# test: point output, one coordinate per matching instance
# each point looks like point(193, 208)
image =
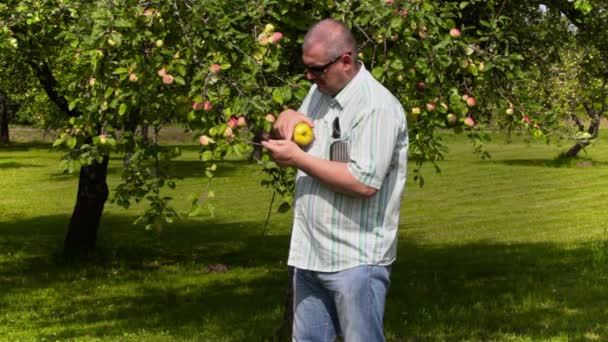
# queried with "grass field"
point(510, 249)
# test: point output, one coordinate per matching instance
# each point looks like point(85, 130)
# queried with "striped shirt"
point(333, 231)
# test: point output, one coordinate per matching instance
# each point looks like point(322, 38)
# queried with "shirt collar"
point(348, 91)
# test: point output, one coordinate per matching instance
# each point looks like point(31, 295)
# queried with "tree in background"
point(112, 66)
point(226, 70)
point(565, 50)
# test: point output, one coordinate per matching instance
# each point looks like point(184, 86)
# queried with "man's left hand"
point(284, 152)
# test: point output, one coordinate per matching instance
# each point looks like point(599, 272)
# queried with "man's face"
point(328, 72)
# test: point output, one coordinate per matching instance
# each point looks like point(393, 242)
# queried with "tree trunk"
point(4, 119)
point(92, 194)
point(594, 129)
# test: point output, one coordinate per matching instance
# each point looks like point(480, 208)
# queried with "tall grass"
point(510, 249)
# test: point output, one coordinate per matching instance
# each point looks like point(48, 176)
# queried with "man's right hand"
point(287, 121)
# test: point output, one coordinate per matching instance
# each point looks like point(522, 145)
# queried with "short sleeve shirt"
point(334, 231)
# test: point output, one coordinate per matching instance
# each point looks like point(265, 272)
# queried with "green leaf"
point(58, 142)
point(117, 37)
point(397, 22)
point(277, 96)
point(397, 64)
point(179, 80)
point(206, 156)
point(122, 109)
point(378, 71)
point(108, 92)
point(72, 142)
point(73, 104)
point(121, 70)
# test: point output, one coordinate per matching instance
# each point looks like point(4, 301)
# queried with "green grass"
point(510, 249)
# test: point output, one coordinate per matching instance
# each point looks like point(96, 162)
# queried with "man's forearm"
point(333, 174)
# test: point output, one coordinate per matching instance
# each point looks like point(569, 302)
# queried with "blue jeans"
point(347, 303)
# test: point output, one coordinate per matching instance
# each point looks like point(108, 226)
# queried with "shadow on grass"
point(557, 162)
point(147, 281)
point(143, 281)
point(183, 169)
point(26, 146)
point(14, 165)
point(493, 292)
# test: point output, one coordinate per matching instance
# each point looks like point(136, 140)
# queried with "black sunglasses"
point(336, 129)
point(321, 69)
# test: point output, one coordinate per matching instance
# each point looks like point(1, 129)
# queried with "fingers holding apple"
point(287, 122)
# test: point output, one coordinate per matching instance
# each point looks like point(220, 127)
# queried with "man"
point(346, 211)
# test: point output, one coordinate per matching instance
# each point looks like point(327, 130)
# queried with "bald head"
point(334, 36)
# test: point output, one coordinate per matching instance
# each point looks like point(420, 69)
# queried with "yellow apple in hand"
point(302, 134)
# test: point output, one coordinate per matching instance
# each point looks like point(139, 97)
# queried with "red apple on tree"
point(471, 102)
point(469, 121)
point(215, 68)
point(263, 38)
point(228, 134)
point(167, 79)
point(205, 140)
point(455, 33)
point(276, 37)
point(232, 122)
point(452, 118)
point(270, 118)
point(197, 105)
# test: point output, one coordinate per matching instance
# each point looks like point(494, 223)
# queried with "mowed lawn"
point(509, 249)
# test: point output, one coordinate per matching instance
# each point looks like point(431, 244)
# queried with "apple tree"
point(564, 48)
point(115, 67)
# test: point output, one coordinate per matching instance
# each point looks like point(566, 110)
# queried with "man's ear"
point(348, 62)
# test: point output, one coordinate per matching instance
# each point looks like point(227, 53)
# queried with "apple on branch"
point(471, 102)
point(455, 33)
point(233, 122)
point(215, 68)
point(168, 79)
point(270, 118)
point(452, 118)
point(469, 121)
